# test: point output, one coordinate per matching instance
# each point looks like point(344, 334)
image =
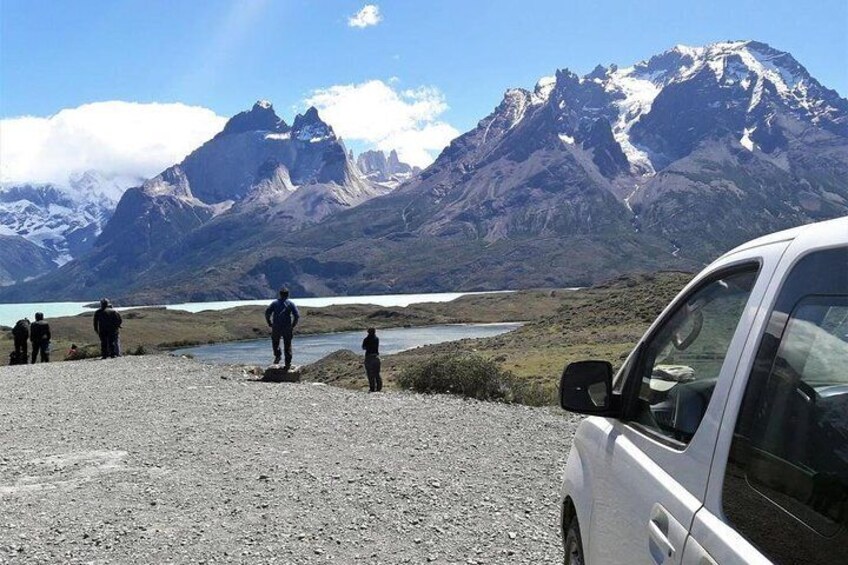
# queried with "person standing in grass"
point(371, 345)
point(282, 317)
point(39, 336)
point(107, 324)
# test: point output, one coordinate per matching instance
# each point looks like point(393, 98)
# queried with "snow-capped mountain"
point(737, 85)
point(256, 179)
point(664, 164)
point(62, 220)
point(387, 170)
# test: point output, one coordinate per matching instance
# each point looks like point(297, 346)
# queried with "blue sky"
point(224, 55)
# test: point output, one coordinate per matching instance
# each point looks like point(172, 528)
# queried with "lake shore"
point(152, 329)
point(562, 326)
point(309, 348)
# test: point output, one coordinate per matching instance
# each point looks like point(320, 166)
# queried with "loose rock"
point(159, 459)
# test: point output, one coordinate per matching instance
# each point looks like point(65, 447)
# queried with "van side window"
point(786, 481)
point(681, 362)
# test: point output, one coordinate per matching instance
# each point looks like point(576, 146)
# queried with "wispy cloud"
point(118, 139)
point(384, 117)
point(369, 15)
point(221, 50)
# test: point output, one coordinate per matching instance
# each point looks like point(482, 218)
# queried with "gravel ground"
point(158, 460)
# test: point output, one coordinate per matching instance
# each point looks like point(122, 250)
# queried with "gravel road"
point(162, 460)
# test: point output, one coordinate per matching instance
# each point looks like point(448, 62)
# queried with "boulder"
point(279, 374)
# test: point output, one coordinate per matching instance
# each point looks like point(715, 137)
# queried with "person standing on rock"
point(39, 336)
point(282, 317)
point(21, 335)
point(371, 345)
point(107, 324)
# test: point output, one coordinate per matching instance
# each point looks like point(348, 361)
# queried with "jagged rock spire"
point(259, 118)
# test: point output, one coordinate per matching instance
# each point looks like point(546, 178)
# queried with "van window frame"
point(631, 385)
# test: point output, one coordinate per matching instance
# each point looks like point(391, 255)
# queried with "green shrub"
point(532, 393)
point(473, 376)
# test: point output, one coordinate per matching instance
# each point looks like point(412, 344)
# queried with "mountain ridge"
point(664, 164)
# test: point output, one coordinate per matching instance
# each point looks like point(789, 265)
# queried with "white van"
point(724, 437)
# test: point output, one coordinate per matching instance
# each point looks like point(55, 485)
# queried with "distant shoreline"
point(159, 329)
point(11, 312)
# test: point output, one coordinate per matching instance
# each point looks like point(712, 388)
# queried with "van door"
point(651, 470)
point(778, 489)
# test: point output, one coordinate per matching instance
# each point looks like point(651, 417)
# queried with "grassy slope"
point(603, 322)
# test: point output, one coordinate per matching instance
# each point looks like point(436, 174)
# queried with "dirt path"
point(156, 460)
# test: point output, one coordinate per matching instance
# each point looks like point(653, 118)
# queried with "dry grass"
point(602, 322)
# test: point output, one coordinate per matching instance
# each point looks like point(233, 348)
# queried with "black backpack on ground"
point(15, 359)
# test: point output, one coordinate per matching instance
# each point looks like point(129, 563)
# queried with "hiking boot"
point(276, 361)
point(286, 367)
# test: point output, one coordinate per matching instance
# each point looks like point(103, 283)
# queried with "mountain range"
point(51, 224)
point(664, 164)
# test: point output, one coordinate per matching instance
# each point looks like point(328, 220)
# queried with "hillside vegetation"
point(602, 322)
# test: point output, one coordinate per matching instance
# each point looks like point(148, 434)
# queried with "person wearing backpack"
point(39, 335)
point(107, 324)
point(21, 335)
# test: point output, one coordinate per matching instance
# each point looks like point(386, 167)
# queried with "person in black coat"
point(107, 324)
point(371, 345)
point(21, 335)
point(39, 336)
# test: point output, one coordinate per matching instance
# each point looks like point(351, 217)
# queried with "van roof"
point(836, 229)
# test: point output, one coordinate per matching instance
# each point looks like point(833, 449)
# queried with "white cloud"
point(118, 139)
point(383, 117)
point(369, 15)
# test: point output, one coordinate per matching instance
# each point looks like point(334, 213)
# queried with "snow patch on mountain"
point(638, 90)
point(543, 90)
point(746, 140)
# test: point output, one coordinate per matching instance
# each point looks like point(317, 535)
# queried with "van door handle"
point(659, 544)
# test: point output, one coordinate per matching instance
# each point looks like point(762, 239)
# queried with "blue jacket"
point(282, 314)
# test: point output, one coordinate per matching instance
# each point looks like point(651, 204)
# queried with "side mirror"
point(586, 388)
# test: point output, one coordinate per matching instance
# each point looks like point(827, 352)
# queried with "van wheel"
point(573, 544)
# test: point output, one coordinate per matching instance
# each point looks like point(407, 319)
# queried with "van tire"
point(573, 544)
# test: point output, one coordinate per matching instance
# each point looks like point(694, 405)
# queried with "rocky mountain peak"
point(261, 117)
point(310, 127)
point(387, 170)
point(599, 73)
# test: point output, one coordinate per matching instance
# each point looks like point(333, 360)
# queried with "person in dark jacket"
point(39, 335)
point(21, 335)
point(282, 316)
point(371, 345)
point(107, 324)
